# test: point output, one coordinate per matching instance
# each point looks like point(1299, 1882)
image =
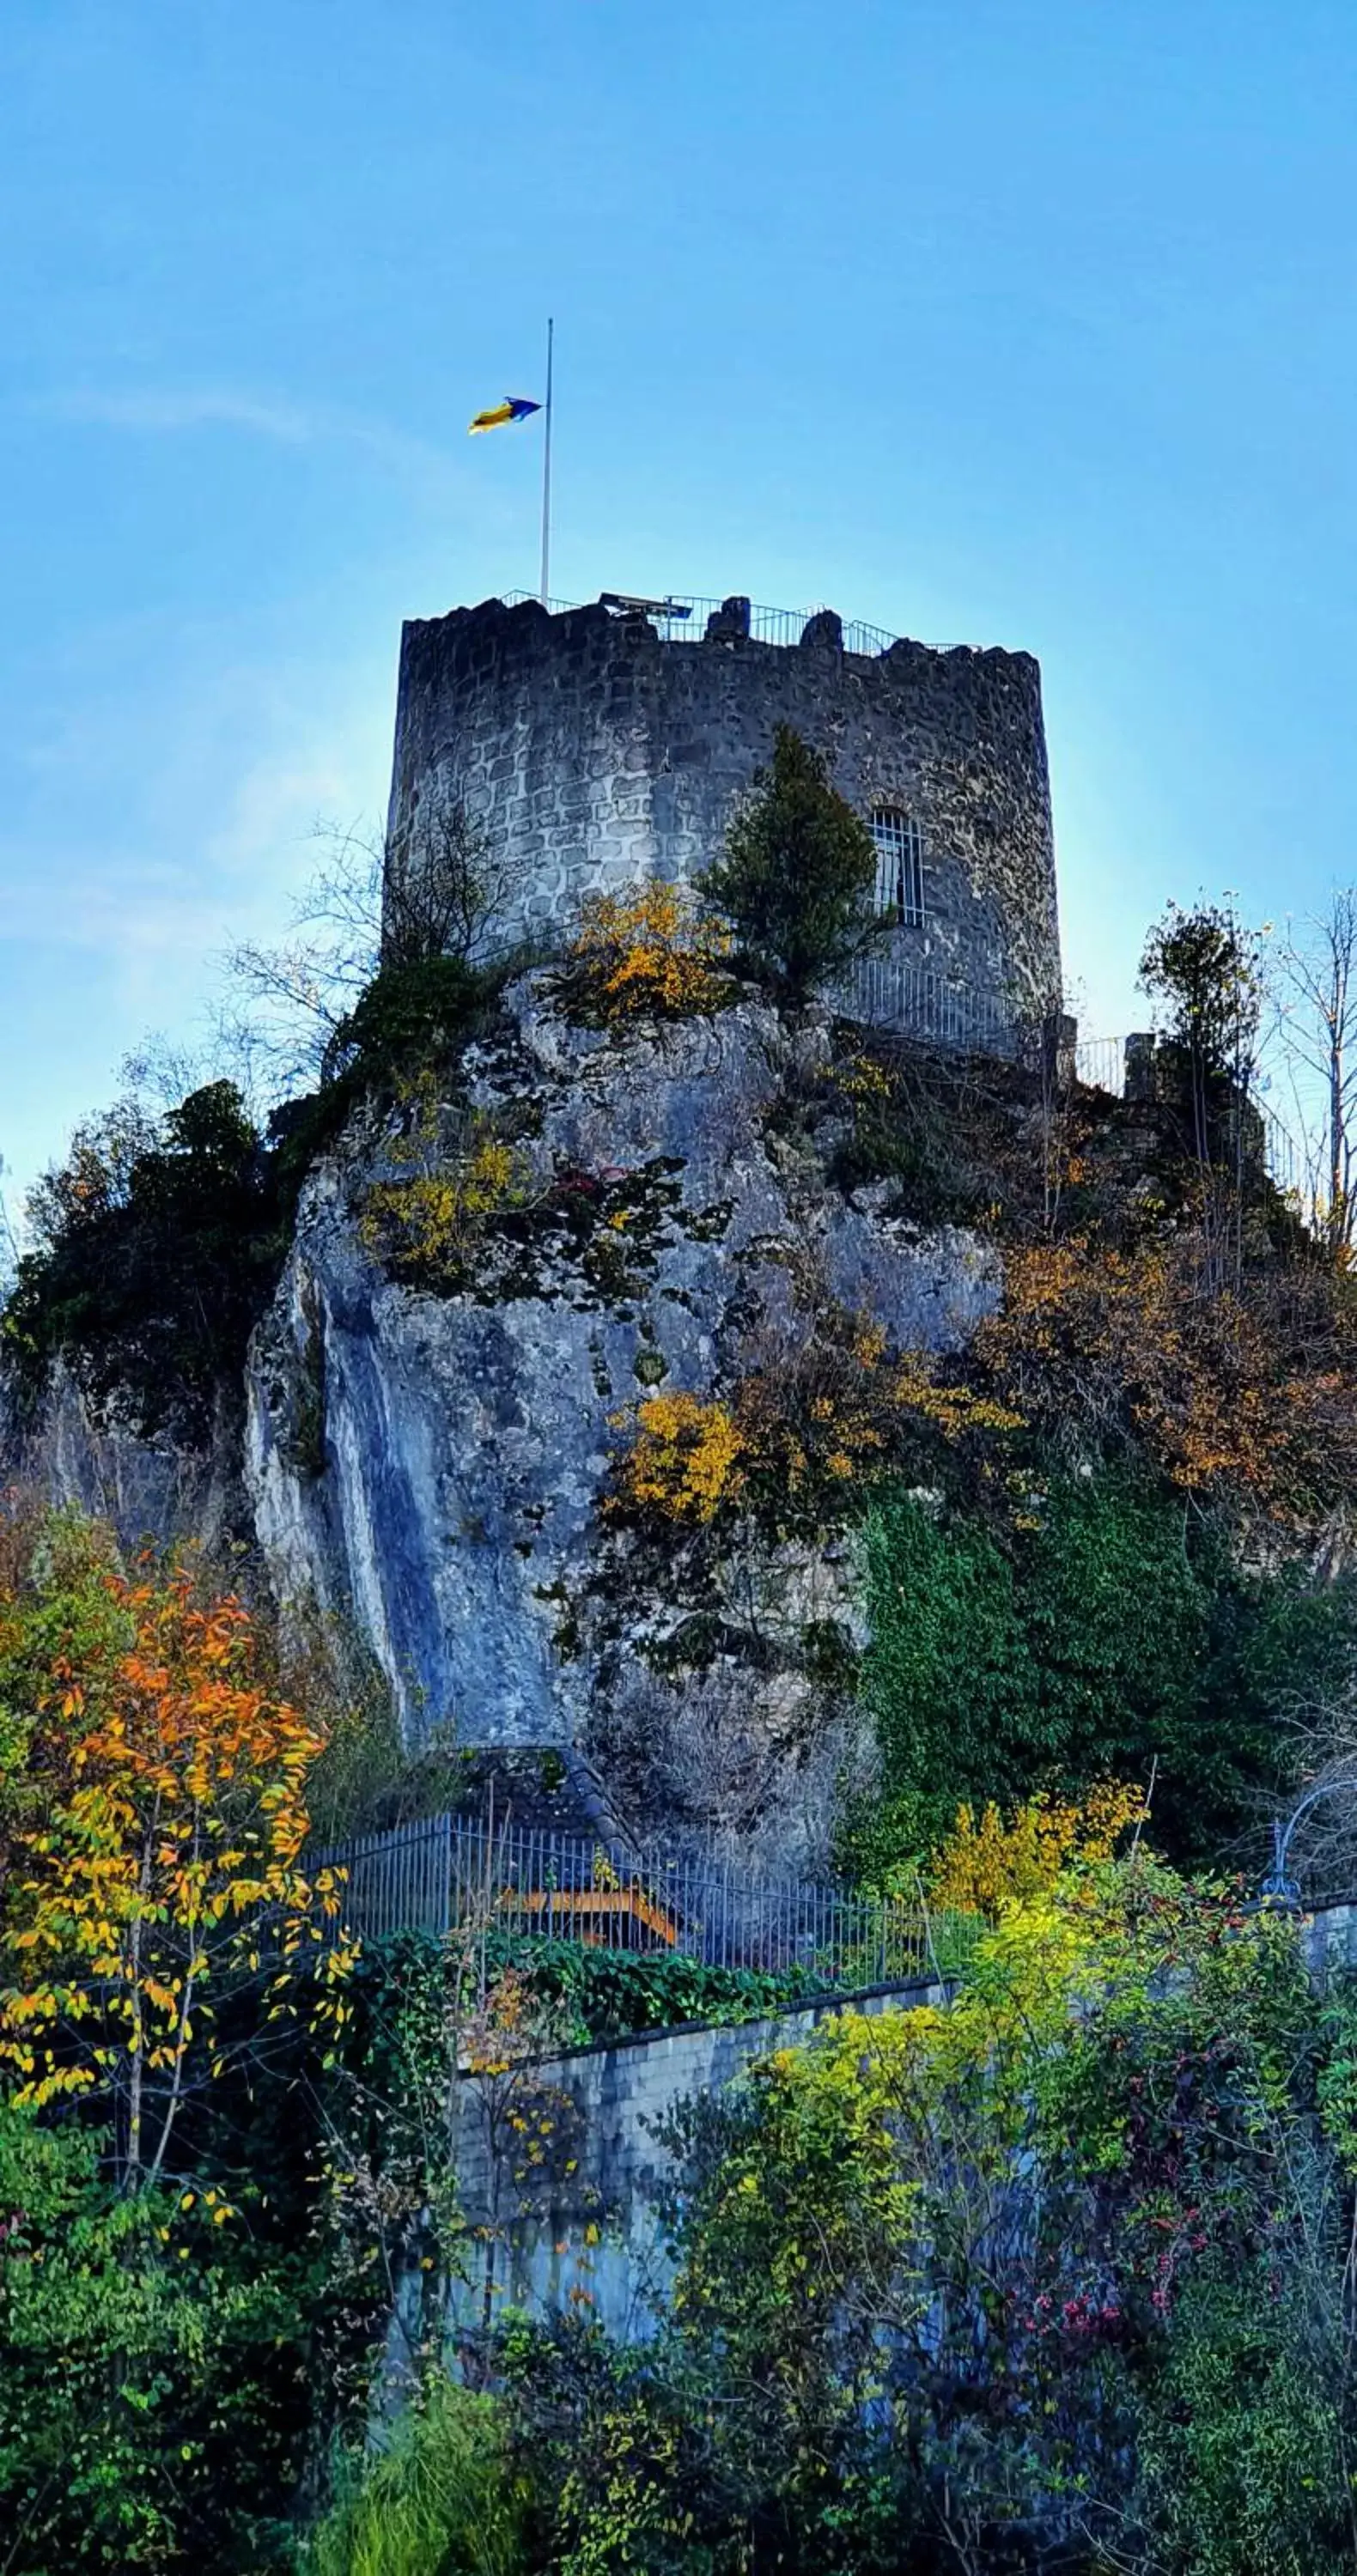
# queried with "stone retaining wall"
point(555, 2237)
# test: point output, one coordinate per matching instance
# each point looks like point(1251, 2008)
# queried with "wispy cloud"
point(169, 411)
point(155, 412)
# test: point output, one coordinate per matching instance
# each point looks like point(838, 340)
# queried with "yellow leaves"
point(427, 1220)
point(648, 952)
point(862, 1079)
point(988, 1865)
point(684, 1461)
point(181, 1812)
point(954, 1410)
point(836, 1416)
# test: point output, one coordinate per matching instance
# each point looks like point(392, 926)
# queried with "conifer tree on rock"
point(798, 876)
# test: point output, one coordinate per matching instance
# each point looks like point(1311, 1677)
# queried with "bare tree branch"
point(370, 905)
point(1317, 1032)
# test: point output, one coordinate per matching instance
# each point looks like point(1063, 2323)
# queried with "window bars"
point(899, 865)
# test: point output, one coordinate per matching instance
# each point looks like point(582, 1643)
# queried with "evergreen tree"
point(797, 879)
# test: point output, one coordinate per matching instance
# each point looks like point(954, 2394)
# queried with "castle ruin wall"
point(597, 754)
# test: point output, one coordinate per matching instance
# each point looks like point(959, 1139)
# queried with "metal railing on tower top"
point(681, 618)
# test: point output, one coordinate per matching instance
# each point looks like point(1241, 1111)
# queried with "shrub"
point(684, 1460)
point(611, 1993)
point(822, 1412)
point(424, 1224)
point(986, 1864)
point(441, 2498)
point(153, 2396)
point(647, 954)
point(797, 879)
point(410, 1015)
point(1241, 2443)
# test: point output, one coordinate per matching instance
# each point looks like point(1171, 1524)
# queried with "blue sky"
point(984, 321)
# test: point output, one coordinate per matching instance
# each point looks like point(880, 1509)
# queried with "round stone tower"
point(600, 746)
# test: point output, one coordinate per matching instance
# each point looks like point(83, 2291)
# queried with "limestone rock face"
point(103, 1464)
point(433, 1465)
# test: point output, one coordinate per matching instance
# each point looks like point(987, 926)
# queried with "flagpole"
point(546, 477)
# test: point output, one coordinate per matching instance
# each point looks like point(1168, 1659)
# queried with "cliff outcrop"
point(436, 1466)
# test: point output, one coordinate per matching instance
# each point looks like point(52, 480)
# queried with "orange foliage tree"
point(1230, 1395)
point(165, 1870)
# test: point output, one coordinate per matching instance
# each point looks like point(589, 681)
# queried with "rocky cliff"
point(430, 1466)
point(435, 1466)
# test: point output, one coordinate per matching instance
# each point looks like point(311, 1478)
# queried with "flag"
point(513, 407)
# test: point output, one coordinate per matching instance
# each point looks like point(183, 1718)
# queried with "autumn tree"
point(1245, 1400)
point(159, 1868)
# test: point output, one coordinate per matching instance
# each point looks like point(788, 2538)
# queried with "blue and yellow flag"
point(513, 407)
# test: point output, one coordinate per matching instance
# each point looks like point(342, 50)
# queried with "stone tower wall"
point(598, 754)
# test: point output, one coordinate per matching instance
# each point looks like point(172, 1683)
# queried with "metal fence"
point(448, 1871)
point(682, 619)
point(1101, 1063)
point(890, 993)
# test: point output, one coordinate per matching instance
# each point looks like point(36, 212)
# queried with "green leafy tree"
point(1207, 966)
point(156, 1245)
point(797, 879)
point(1114, 1637)
point(144, 2356)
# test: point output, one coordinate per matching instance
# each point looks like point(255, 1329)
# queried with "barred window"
point(899, 864)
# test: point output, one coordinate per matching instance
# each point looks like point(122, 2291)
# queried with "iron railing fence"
point(682, 619)
point(891, 993)
point(1101, 1063)
point(447, 1871)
